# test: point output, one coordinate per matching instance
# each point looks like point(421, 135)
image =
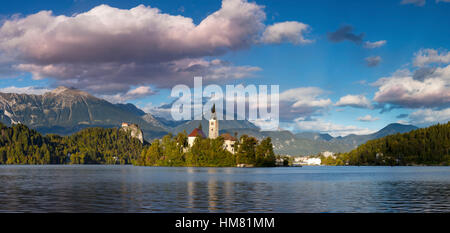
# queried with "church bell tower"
point(213, 124)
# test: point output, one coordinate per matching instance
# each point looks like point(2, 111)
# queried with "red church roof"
point(227, 136)
point(197, 133)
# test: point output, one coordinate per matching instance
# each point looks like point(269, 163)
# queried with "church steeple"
point(213, 124)
point(213, 112)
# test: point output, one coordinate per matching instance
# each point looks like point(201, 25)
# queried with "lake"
point(98, 188)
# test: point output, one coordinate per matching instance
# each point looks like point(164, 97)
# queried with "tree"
point(246, 151)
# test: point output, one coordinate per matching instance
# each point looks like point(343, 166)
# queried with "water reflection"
point(149, 189)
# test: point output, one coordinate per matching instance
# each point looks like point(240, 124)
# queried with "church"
point(213, 133)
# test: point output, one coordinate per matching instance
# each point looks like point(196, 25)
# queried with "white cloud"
point(30, 90)
point(430, 116)
point(137, 93)
point(293, 103)
point(356, 101)
point(368, 118)
point(410, 90)
point(290, 31)
point(142, 33)
point(318, 125)
point(108, 50)
point(429, 56)
point(302, 101)
point(376, 44)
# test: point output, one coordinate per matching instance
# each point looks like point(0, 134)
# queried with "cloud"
point(356, 101)
point(111, 78)
point(415, 2)
point(430, 116)
point(293, 103)
point(302, 102)
point(373, 61)
point(319, 125)
point(430, 56)
point(290, 31)
point(30, 90)
point(368, 118)
point(137, 93)
point(107, 50)
point(376, 44)
point(403, 115)
point(142, 33)
point(345, 33)
point(422, 73)
point(401, 89)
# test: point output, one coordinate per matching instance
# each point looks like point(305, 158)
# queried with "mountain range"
point(66, 110)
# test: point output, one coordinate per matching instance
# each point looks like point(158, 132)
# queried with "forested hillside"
point(21, 145)
point(426, 146)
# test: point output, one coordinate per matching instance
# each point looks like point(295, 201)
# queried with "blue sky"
point(407, 31)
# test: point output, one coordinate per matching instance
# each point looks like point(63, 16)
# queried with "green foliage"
point(265, 157)
point(246, 152)
point(427, 146)
point(101, 146)
point(205, 152)
point(21, 145)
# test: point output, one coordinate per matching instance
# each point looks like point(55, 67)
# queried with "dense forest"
point(21, 145)
point(426, 146)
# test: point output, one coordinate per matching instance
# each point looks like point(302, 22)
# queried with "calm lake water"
point(159, 189)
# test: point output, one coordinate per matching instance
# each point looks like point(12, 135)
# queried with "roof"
point(227, 136)
point(197, 133)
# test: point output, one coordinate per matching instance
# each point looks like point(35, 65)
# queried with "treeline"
point(427, 146)
point(21, 145)
point(205, 152)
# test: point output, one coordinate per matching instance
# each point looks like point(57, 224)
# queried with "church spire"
point(213, 124)
point(213, 112)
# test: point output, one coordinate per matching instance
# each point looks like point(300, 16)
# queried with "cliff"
point(135, 131)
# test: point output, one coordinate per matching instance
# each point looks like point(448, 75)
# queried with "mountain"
point(67, 110)
point(393, 129)
point(223, 125)
point(313, 136)
point(356, 140)
point(168, 123)
point(285, 142)
point(131, 108)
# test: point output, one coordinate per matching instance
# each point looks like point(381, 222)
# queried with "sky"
point(342, 67)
